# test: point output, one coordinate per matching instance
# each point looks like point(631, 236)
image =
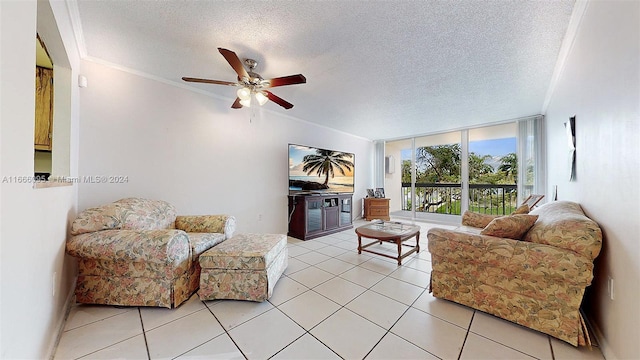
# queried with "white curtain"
point(378, 165)
point(531, 157)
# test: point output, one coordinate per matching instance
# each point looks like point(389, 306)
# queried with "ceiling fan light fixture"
point(244, 94)
point(250, 82)
point(245, 102)
point(261, 97)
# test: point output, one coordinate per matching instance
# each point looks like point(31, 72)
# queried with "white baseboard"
point(601, 340)
point(70, 300)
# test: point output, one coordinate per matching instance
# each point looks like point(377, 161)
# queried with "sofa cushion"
point(161, 246)
point(145, 214)
point(106, 217)
point(474, 219)
point(451, 251)
point(512, 226)
point(224, 224)
point(564, 224)
point(522, 209)
point(128, 214)
point(479, 220)
point(244, 252)
point(201, 242)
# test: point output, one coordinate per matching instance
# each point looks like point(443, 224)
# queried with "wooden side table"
point(376, 208)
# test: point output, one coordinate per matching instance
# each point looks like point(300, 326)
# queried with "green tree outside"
point(441, 164)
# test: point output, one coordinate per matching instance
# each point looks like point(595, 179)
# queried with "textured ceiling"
point(377, 69)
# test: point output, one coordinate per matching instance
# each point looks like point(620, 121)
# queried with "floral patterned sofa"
point(537, 281)
point(137, 252)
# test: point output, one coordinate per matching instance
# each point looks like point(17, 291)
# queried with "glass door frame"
point(464, 183)
point(465, 188)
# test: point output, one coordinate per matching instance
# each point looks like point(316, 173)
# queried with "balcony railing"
point(446, 198)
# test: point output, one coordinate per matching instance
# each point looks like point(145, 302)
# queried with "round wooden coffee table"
point(391, 232)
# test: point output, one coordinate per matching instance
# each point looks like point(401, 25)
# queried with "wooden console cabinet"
point(312, 216)
point(375, 208)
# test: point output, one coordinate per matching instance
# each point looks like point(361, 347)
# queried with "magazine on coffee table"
point(392, 227)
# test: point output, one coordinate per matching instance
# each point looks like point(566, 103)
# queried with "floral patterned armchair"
point(537, 281)
point(137, 252)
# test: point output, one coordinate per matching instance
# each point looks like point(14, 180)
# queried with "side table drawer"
point(378, 211)
point(375, 208)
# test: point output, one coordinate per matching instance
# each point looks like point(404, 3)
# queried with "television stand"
point(315, 215)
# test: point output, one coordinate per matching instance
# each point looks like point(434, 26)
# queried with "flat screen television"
point(315, 170)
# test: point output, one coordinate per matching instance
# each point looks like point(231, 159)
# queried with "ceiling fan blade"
point(287, 80)
point(278, 100)
point(208, 81)
point(235, 62)
point(236, 104)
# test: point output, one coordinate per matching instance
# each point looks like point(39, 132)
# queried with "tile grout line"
point(306, 331)
point(197, 346)
point(394, 324)
point(343, 306)
point(380, 264)
point(115, 343)
point(414, 257)
point(312, 289)
point(95, 321)
point(316, 325)
point(144, 334)
point(387, 331)
point(505, 345)
point(225, 331)
point(466, 335)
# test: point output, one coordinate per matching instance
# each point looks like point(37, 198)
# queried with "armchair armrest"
point(224, 224)
point(526, 259)
point(155, 246)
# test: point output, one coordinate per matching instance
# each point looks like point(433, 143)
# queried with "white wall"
point(600, 85)
point(34, 222)
point(194, 151)
point(393, 181)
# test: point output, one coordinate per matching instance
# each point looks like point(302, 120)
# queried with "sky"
point(493, 147)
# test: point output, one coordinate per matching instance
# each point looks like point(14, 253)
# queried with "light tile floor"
point(331, 303)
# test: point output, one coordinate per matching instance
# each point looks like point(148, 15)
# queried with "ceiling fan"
point(251, 83)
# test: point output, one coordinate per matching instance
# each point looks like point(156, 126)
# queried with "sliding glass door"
point(493, 169)
point(440, 176)
point(437, 189)
point(427, 183)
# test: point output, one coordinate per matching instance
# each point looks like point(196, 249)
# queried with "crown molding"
point(76, 24)
point(565, 49)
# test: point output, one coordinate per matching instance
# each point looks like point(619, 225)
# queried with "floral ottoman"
point(245, 267)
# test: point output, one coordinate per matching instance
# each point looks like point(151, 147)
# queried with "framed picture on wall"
point(570, 128)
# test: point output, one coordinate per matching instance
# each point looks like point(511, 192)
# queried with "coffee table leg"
point(399, 241)
point(359, 244)
point(418, 242)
